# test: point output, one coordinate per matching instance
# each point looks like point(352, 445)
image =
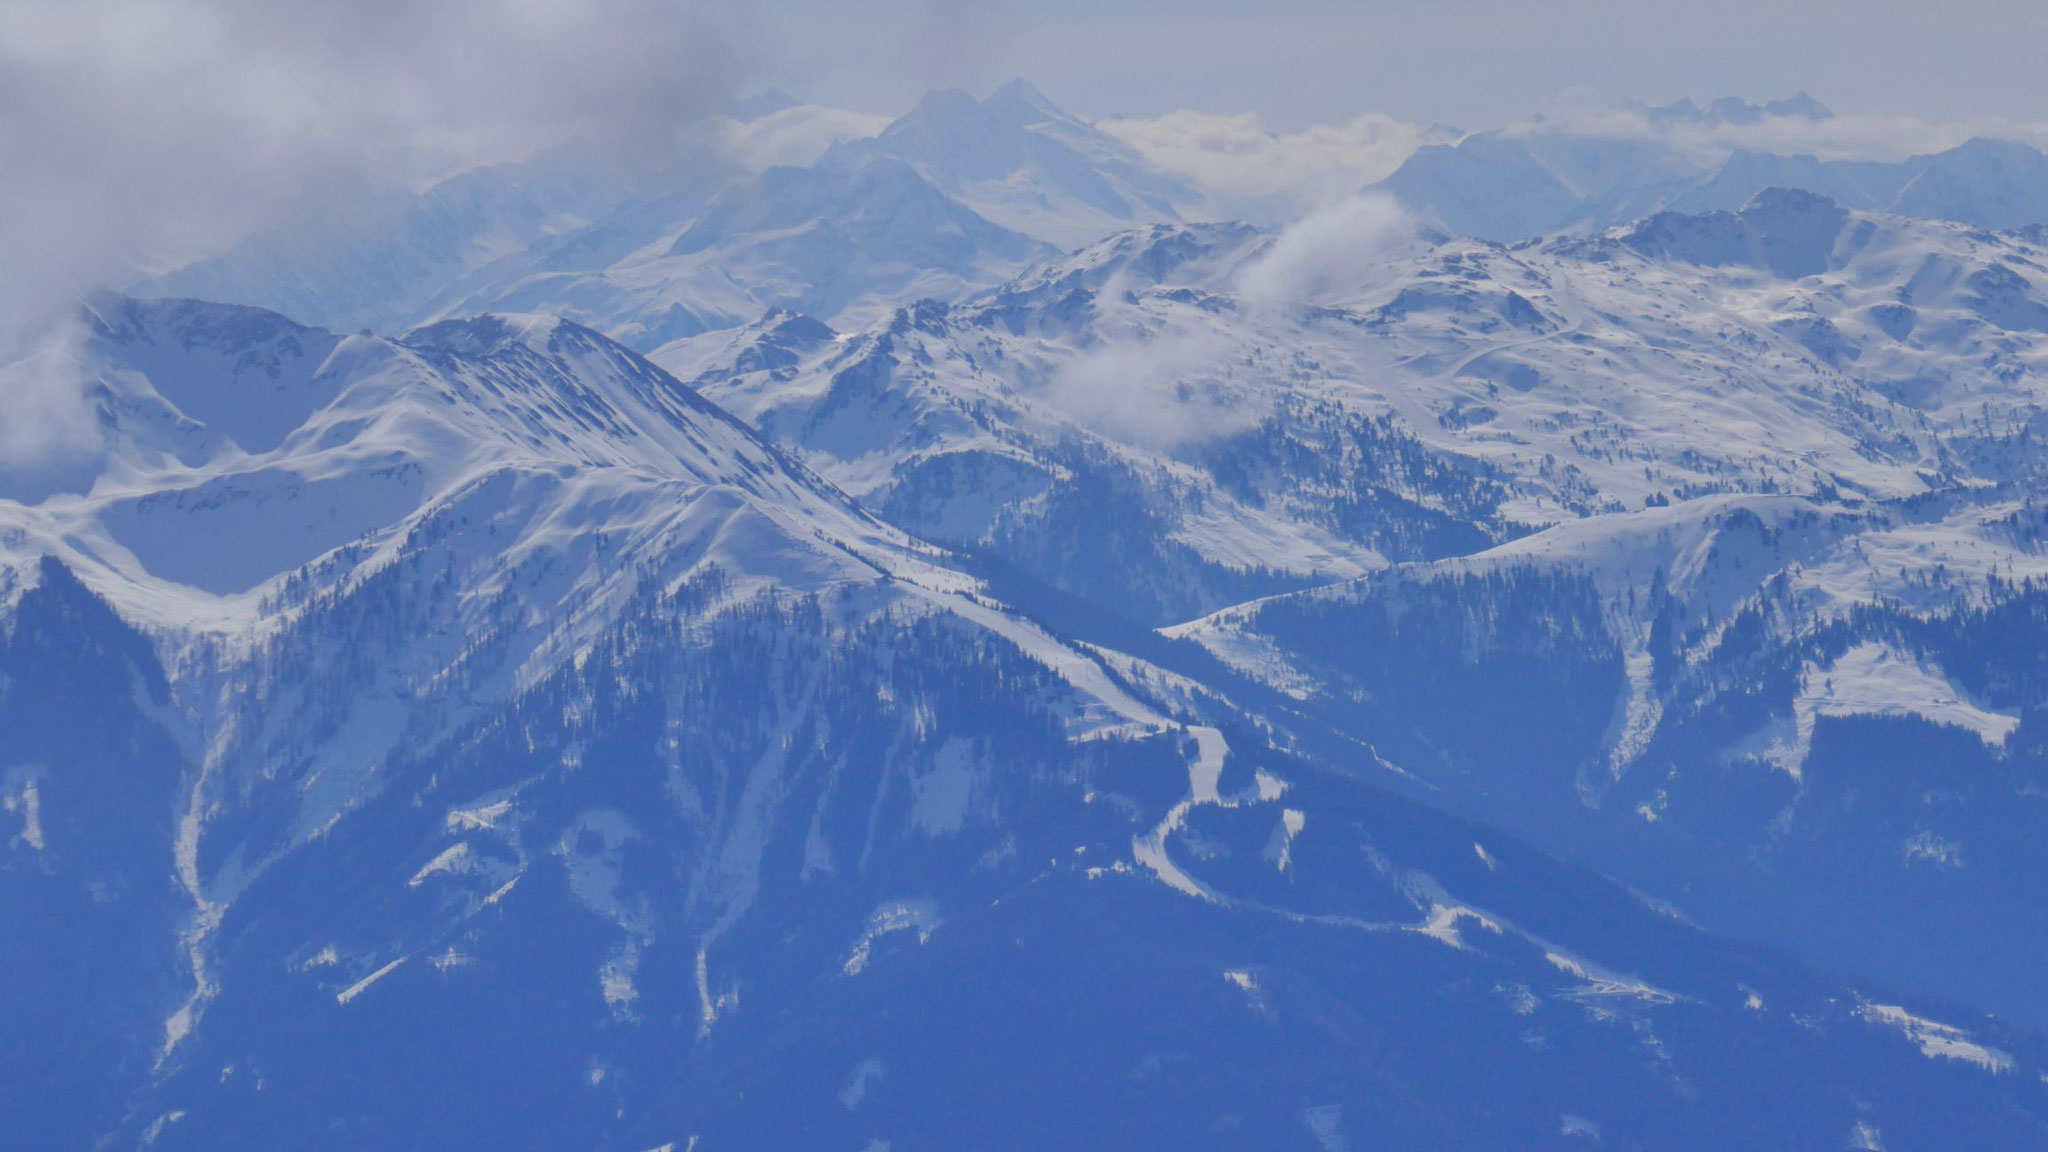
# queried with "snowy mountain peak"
point(1019, 160)
point(950, 117)
point(1786, 231)
point(219, 419)
point(1801, 105)
point(1020, 102)
point(1732, 110)
point(491, 333)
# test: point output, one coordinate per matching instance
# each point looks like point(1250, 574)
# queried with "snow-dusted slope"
point(386, 262)
point(1107, 424)
point(1788, 448)
point(1024, 163)
point(1802, 721)
point(236, 447)
point(851, 234)
point(784, 205)
point(1456, 394)
point(956, 195)
point(510, 745)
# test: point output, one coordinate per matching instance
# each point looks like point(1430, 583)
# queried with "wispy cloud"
point(1329, 253)
point(796, 135)
point(1167, 378)
point(1157, 381)
point(143, 131)
point(1251, 171)
point(49, 437)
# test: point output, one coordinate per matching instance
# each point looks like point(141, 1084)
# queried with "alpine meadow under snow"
point(999, 629)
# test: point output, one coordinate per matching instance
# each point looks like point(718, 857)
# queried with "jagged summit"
point(1019, 160)
point(947, 115)
point(1799, 104)
point(1732, 110)
point(217, 415)
point(1568, 173)
point(1788, 232)
point(1020, 102)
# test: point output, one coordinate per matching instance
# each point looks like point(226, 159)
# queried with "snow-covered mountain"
point(1589, 172)
point(1019, 160)
point(907, 635)
point(479, 736)
point(1529, 410)
point(956, 195)
point(1460, 394)
point(385, 262)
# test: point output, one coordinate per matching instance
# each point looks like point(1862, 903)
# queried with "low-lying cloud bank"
point(150, 132)
point(1251, 171)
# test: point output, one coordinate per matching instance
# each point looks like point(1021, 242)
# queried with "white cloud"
point(1852, 137)
point(49, 438)
point(794, 136)
point(1166, 380)
point(141, 132)
point(1249, 170)
point(1335, 251)
point(1159, 385)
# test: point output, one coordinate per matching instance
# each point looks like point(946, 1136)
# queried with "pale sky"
point(1476, 63)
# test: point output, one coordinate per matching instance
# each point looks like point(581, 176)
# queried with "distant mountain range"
point(1522, 182)
point(956, 195)
point(960, 194)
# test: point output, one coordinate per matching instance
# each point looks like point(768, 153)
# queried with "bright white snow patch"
point(1928, 848)
point(156, 1126)
point(856, 1089)
point(1326, 1123)
point(356, 989)
point(483, 817)
point(1937, 1040)
point(1280, 849)
point(1600, 982)
point(592, 852)
point(1248, 983)
point(1570, 1125)
point(1442, 924)
point(908, 915)
point(450, 860)
point(29, 804)
point(1873, 680)
point(1249, 653)
point(1205, 771)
